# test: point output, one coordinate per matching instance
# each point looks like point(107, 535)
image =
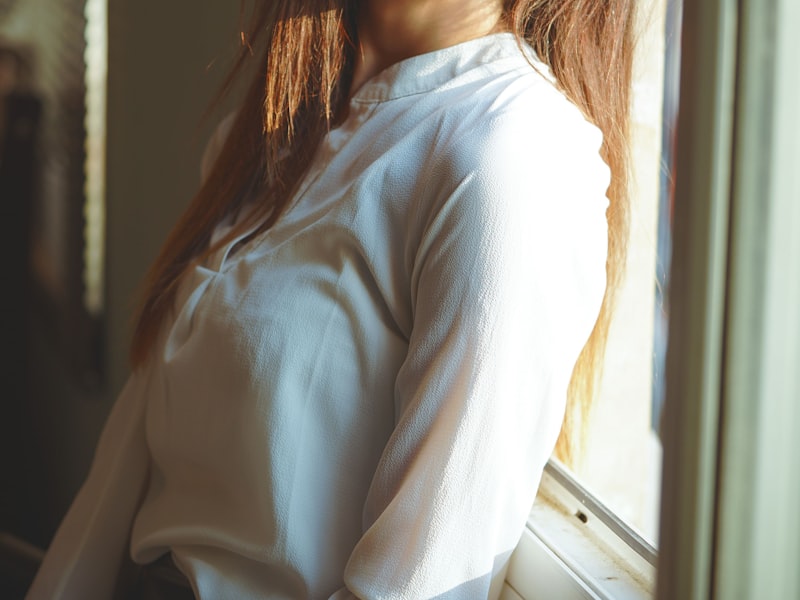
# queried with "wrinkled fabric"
point(359, 402)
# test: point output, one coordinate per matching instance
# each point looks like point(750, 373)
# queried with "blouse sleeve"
point(85, 556)
point(507, 284)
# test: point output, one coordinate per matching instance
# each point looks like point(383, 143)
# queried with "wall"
point(165, 62)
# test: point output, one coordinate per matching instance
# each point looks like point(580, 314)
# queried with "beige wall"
point(159, 84)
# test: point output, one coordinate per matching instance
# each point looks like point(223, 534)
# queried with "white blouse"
point(359, 402)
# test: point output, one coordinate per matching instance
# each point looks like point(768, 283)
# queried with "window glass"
point(621, 464)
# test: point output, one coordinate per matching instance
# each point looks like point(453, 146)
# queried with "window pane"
point(622, 461)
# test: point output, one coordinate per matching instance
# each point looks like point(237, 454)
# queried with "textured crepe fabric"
point(360, 401)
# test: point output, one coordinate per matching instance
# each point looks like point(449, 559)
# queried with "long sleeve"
point(87, 551)
point(507, 284)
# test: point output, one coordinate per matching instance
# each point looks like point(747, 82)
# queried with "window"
point(729, 524)
point(604, 513)
point(622, 461)
point(95, 202)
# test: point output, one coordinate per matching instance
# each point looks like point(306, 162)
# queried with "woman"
point(354, 350)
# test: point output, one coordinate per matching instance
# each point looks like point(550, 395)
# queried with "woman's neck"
point(392, 30)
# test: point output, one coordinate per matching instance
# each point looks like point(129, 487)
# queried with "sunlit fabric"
point(359, 402)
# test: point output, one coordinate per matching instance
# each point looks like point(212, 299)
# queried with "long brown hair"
point(588, 45)
point(300, 89)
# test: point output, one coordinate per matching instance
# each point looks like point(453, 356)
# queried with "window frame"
point(750, 540)
point(575, 548)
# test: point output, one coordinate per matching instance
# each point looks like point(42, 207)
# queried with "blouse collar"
point(432, 70)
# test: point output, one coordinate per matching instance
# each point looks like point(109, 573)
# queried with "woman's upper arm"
point(507, 284)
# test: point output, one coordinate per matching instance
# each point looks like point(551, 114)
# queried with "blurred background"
point(102, 127)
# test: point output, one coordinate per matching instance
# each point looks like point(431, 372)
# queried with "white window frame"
point(575, 548)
